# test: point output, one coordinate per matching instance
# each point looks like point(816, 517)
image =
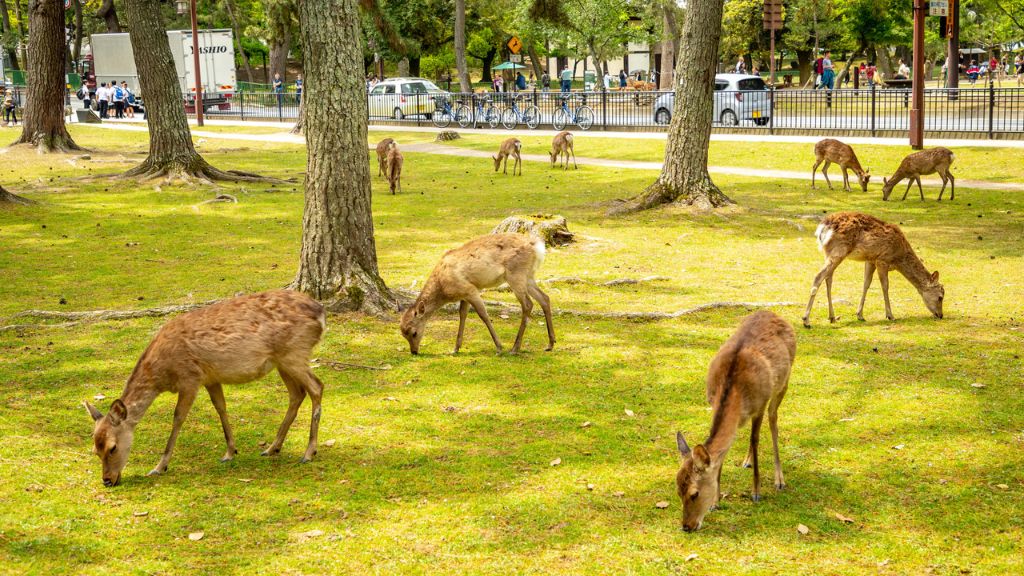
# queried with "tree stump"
point(446, 135)
point(551, 228)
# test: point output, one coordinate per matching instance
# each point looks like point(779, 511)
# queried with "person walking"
point(741, 66)
point(819, 71)
point(279, 88)
point(607, 81)
point(545, 81)
point(298, 89)
point(129, 101)
point(118, 101)
point(103, 97)
point(1018, 63)
point(10, 109)
point(566, 79)
point(622, 78)
point(828, 74)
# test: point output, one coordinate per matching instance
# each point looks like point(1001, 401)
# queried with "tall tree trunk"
point(338, 262)
point(108, 12)
point(487, 60)
point(171, 152)
point(403, 67)
point(846, 66)
point(12, 53)
point(229, 5)
point(414, 65)
point(669, 35)
point(77, 53)
point(279, 54)
point(684, 177)
point(804, 58)
point(44, 109)
point(460, 47)
point(535, 60)
point(21, 32)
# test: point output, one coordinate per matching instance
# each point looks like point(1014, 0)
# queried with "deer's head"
point(112, 439)
point(497, 162)
point(414, 321)
point(554, 156)
point(696, 483)
point(864, 177)
point(933, 293)
point(887, 186)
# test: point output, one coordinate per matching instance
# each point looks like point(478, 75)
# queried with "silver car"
point(738, 97)
point(400, 97)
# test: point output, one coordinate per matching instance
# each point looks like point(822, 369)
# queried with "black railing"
point(983, 110)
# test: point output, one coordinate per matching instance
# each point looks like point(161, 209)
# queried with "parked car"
point(737, 97)
point(400, 97)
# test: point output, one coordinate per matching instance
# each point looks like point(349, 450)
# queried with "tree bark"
point(535, 60)
point(279, 55)
point(338, 262)
point(486, 60)
point(9, 198)
point(171, 152)
point(44, 110)
point(229, 5)
point(403, 67)
point(684, 177)
point(77, 52)
point(108, 12)
point(846, 67)
point(668, 41)
point(301, 122)
point(460, 47)
point(12, 53)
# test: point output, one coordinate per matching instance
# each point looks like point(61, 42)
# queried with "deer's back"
point(926, 161)
point(756, 360)
point(485, 261)
point(237, 340)
point(835, 151)
point(861, 237)
point(382, 146)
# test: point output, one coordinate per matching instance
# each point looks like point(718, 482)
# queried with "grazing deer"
point(382, 152)
point(562, 145)
point(830, 150)
point(923, 163)
point(393, 161)
point(881, 247)
point(511, 147)
point(230, 342)
point(750, 373)
point(484, 262)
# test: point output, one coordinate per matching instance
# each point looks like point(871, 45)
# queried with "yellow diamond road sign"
point(515, 45)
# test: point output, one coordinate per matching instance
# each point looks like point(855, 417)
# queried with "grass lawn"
point(442, 464)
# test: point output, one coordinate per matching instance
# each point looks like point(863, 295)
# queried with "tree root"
point(196, 170)
point(576, 280)
point(75, 318)
point(346, 365)
point(9, 198)
point(704, 195)
point(220, 198)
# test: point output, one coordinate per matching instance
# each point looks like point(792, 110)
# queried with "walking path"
point(440, 149)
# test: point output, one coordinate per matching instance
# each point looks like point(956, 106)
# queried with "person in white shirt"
point(607, 81)
point(103, 97)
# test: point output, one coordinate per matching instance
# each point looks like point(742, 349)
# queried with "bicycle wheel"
point(442, 118)
point(560, 119)
point(531, 116)
point(493, 116)
point(584, 117)
point(509, 119)
point(463, 116)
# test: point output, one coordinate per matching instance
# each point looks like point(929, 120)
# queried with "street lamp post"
point(190, 5)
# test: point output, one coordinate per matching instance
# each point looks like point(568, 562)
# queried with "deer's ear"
point(935, 276)
point(93, 411)
point(885, 180)
point(684, 448)
point(118, 412)
point(701, 458)
point(421, 308)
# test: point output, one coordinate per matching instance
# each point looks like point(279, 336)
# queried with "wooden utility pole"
point(195, 57)
point(952, 32)
point(772, 22)
point(917, 103)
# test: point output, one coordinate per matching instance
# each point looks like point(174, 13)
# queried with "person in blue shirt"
point(520, 81)
point(278, 87)
point(298, 89)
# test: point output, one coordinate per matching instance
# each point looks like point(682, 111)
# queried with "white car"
point(737, 97)
point(400, 97)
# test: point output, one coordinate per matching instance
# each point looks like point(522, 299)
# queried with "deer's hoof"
point(305, 460)
point(890, 317)
point(807, 323)
point(780, 486)
point(832, 319)
point(860, 317)
point(156, 472)
point(755, 497)
point(270, 452)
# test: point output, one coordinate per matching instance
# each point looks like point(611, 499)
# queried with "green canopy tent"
point(508, 66)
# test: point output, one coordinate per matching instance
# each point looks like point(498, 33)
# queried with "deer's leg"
point(828, 295)
point(755, 434)
point(883, 279)
point(749, 458)
point(315, 389)
point(814, 171)
point(505, 169)
point(185, 398)
point(824, 172)
point(518, 164)
point(869, 271)
point(773, 424)
point(217, 397)
point(846, 179)
point(919, 189)
point(952, 181)
point(463, 310)
point(545, 304)
point(573, 150)
point(481, 311)
point(907, 191)
point(830, 266)
point(519, 285)
point(944, 182)
point(296, 394)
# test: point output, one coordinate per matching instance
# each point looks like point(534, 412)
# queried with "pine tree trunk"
point(279, 55)
point(668, 43)
point(338, 263)
point(77, 53)
point(108, 12)
point(460, 47)
point(684, 177)
point(238, 39)
point(44, 110)
point(12, 53)
point(171, 152)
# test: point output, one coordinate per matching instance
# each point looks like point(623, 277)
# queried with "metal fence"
point(981, 111)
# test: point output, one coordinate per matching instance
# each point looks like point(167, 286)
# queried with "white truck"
point(113, 61)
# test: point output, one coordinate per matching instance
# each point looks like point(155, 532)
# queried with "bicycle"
point(582, 116)
point(512, 116)
point(484, 111)
point(444, 113)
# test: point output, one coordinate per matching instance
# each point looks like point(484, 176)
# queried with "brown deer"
point(484, 262)
point(511, 147)
point(881, 247)
point(749, 374)
point(393, 161)
point(230, 342)
point(562, 145)
point(923, 163)
point(830, 150)
point(382, 152)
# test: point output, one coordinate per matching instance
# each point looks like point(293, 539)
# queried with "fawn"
point(561, 146)
point(923, 163)
point(230, 342)
point(750, 373)
point(382, 151)
point(511, 147)
point(393, 161)
point(484, 262)
point(881, 247)
point(830, 150)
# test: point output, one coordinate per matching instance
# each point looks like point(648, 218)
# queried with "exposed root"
point(346, 365)
point(9, 198)
point(196, 169)
point(220, 198)
point(99, 315)
point(576, 280)
point(704, 195)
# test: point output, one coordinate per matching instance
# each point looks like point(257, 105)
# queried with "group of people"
point(118, 95)
point(994, 68)
point(278, 87)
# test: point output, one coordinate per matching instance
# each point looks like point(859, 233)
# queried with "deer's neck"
point(137, 396)
point(432, 297)
point(913, 269)
point(855, 166)
point(724, 425)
